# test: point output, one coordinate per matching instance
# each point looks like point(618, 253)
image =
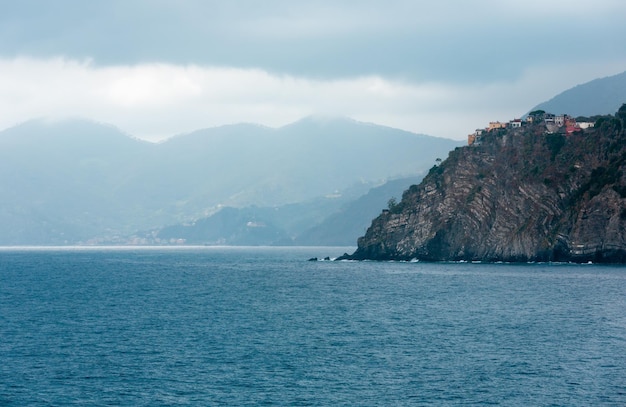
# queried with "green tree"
point(621, 114)
point(537, 115)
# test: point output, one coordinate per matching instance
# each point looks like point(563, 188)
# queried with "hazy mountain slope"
point(598, 97)
point(343, 227)
point(59, 180)
point(70, 181)
point(187, 176)
point(230, 226)
point(309, 158)
point(324, 221)
point(251, 225)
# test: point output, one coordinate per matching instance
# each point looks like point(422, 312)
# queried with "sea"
point(248, 326)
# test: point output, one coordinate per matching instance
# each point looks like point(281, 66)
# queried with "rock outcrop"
point(519, 195)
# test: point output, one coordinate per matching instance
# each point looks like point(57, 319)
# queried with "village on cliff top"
point(554, 123)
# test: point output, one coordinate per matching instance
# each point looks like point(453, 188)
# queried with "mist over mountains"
point(323, 221)
point(318, 181)
point(76, 181)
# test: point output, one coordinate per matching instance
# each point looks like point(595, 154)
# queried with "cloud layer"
point(156, 69)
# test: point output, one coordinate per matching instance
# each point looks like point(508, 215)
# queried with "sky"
point(157, 68)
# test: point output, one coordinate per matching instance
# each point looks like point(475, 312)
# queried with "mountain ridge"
point(600, 96)
point(76, 181)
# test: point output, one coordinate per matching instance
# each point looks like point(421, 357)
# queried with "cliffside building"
point(562, 123)
point(496, 125)
point(475, 138)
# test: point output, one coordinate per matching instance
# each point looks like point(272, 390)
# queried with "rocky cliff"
point(519, 195)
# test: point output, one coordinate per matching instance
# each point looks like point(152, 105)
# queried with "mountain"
point(249, 226)
point(59, 181)
point(519, 195)
point(333, 220)
point(345, 225)
point(598, 97)
point(310, 158)
point(77, 181)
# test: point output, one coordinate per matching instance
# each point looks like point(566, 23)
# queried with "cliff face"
point(521, 195)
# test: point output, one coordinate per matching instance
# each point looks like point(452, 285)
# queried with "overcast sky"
point(156, 68)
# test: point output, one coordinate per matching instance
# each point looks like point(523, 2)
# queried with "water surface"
point(250, 326)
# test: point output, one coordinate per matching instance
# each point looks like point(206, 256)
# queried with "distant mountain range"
point(77, 181)
point(341, 221)
point(597, 97)
point(318, 181)
point(324, 221)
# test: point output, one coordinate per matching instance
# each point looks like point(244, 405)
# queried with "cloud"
point(158, 100)
point(411, 40)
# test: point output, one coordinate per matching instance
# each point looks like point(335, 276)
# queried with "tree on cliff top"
point(621, 114)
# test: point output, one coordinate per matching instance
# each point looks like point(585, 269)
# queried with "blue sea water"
point(263, 326)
